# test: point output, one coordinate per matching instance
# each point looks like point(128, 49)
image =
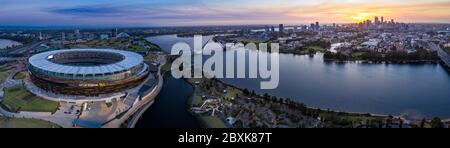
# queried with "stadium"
point(87, 72)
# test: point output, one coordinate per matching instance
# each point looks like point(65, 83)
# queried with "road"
point(25, 48)
point(442, 54)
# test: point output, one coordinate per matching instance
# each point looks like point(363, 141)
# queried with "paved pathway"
point(138, 107)
point(62, 119)
point(9, 82)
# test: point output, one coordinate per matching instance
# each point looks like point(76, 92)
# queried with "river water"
point(417, 90)
point(8, 43)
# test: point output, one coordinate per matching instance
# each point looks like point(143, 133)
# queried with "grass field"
point(20, 75)
point(232, 92)
point(350, 118)
point(4, 72)
point(25, 123)
point(357, 54)
point(152, 56)
point(18, 98)
point(197, 101)
point(306, 50)
point(316, 48)
point(3, 76)
point(166, 67)
point(213, 122)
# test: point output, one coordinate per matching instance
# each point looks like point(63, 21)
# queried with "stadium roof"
point(42, 62)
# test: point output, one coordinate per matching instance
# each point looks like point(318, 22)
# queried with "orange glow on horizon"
point(360, 17)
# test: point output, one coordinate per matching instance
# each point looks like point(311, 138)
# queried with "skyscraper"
point(281, 28)
point(382, 20)
point(317, 26)
point(368, 23)
point(376, 21)
point(77, 34)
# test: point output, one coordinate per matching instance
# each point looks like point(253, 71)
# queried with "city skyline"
point(202, 12)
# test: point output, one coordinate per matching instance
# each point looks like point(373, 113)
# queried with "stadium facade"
point(87, 72)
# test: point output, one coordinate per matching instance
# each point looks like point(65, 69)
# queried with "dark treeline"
point(321, 43)
point(393, 56)
point(329, 117)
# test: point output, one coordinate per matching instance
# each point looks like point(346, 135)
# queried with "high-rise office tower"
point(317, 26)
point(281, 28)
point(377, 20)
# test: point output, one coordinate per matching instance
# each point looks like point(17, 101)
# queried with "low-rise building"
point(372, 44)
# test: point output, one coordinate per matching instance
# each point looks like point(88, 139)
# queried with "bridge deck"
point(445, 57)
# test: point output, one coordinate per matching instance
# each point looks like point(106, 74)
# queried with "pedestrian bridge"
point(441, 53)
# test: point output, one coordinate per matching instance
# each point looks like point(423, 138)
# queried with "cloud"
point(216, 12)
point(91, 11)
point(169, 15)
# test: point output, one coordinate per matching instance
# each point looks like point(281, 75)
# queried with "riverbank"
point(6, 44)
point(297, 113)
point(205, 121)
point(170, 106)
point(310, 117)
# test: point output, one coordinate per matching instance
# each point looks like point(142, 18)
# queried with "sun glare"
point(360, 17)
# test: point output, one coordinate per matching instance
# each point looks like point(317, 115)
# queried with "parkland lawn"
point(19, 99)
point(25, 123)
point(213, 122)
point(4, 72)
point(20, 75)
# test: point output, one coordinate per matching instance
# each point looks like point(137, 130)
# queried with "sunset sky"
point(215, 12)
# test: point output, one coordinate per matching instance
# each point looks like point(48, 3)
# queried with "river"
point(169, 109)
point(4, 43)
point(416, 90)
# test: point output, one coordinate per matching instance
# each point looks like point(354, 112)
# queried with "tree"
point(394, 48)
point(246, 92)
point(266, 96)
point(328, 55)
point(437, 123)
point(422, 124)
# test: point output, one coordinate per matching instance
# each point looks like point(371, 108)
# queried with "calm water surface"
point(8, 43)
point(420, 90)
